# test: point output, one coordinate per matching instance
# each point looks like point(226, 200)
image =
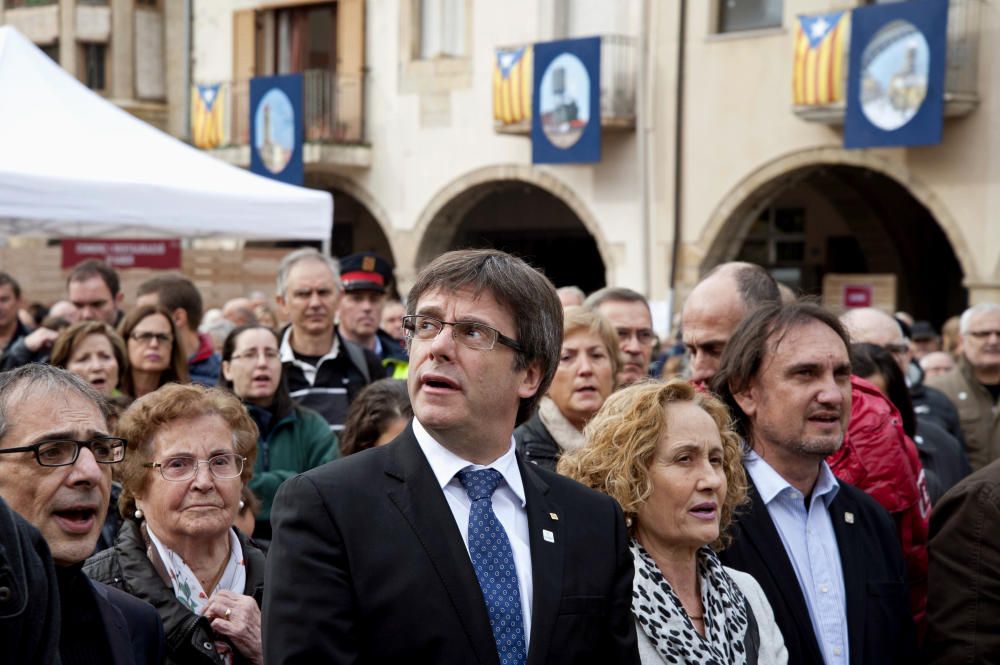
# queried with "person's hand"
point(42, 338)
point(237, 617)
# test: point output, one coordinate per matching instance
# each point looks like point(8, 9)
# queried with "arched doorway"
point(841, 218)
point(521, 218)
point(355, 229)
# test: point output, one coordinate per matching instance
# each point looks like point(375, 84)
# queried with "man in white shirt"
point(444, 546)
point(824, 552)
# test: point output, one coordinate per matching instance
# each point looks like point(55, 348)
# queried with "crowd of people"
point(494, 471)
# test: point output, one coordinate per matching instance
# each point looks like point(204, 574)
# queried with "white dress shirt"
point(811, 544)
point(508, 504)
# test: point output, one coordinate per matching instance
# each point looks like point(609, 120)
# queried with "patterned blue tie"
point(493, 560)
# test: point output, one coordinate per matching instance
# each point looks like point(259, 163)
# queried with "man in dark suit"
point(55, 470)
point(444, 546)
point(824, 552)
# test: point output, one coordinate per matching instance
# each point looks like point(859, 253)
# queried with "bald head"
point(716, 306)
point(873, 326)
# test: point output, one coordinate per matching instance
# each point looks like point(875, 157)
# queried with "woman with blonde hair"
point(668, 455)
point(588, 363)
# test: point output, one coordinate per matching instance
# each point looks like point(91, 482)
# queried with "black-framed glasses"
point(473, 335)
point(64, 452)
point(148, 337)
point(185, 467)
point(270, 355)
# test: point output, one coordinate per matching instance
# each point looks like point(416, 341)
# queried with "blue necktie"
point(493, 560)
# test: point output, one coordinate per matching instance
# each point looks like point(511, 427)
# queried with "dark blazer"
point(368, 565)
point(879, 625)
point(29, 593)
point(133, 628)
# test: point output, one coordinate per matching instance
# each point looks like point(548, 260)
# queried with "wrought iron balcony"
point(512, 89)
point(961, 92)
point(333, 108)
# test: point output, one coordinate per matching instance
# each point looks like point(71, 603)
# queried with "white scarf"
point(660, 613)
point(187, 588)
point(560, 428)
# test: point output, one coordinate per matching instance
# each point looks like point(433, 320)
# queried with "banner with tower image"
point(276, 127)
point(895, 94)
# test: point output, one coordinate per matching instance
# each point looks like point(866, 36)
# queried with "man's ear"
point(180, 318)
point(748, 399)
point(119, 298)
point(532, 379)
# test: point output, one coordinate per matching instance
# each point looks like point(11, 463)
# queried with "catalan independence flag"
point(512, 79)
point(206, 116)
point(820, 59)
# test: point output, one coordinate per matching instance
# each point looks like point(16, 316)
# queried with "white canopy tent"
point(72, 163)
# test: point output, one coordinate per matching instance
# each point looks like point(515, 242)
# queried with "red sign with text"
point(123, 253)
point(857, 295)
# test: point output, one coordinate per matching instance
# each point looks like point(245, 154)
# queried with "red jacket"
point(880, 459)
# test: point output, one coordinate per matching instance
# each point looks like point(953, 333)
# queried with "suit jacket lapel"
point(548, 550)
point(759, 530)
point(416, 493)
point(114, 626)
point(852, 554)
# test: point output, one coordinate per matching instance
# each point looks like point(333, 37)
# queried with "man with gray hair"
point(716, 306)
point(974, 385)
point(323, 372)
point(629, 313)
point(55, 471)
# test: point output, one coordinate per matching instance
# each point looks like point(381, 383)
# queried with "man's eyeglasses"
point(645, 336)
point(270, 355)
point(148, 337)
point(470, 334)
point(185, 467)
point(64, 452)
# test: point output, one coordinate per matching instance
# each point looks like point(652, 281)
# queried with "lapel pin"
point(547, 536)
point(554, 516)
point(849, 518)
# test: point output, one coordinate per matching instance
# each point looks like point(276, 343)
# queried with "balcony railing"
point(332, 109)
point(961, 91)
point(512, 95)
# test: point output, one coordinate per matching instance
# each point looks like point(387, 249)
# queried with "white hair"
point(975, 310)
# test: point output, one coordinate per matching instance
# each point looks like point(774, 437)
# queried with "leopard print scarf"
point(663, 620)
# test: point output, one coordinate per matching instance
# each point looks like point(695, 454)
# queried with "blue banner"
point(895, 92)
point(566, 102)
point(276, 127)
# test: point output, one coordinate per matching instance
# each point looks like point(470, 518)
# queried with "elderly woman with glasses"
point(155, 357)
point(291, 438)
point(191, 451)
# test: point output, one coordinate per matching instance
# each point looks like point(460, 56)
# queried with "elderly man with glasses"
point(55, 470)
point(444, 546)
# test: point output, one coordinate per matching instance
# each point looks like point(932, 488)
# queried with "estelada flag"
point(820, 71)
point(512, 79)
point(206, 116)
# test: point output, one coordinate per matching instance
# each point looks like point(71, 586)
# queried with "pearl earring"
point(628, 521)
point(138, 514)
point(242, 504)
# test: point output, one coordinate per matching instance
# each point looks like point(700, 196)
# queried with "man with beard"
point(825, 553)
point(55, 470)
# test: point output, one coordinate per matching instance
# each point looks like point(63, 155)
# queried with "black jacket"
point(29, 593)
point(942, 456)
point(930, 404)
point(126, 567)
point(536, 444)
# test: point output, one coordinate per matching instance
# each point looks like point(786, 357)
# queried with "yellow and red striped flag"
point(512, 80)
point(206, 116)
point(820, 72)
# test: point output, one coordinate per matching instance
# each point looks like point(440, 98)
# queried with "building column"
point(122, 85)
point(67, 36)
point(980, 292)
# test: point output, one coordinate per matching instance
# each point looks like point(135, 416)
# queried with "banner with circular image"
point(897, 65)
point(276, 127)
point(566, 112)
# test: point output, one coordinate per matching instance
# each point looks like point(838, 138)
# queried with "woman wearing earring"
point(667, 454)
point(191, 452)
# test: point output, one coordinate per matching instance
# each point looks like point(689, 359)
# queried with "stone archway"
point(375, 231)
point(865, 214)
point(441, 220)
